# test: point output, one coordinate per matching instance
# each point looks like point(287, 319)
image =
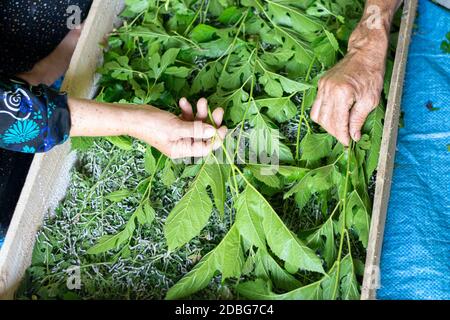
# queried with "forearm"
point(187, 135)
point(378, 14)
point(93, 119)
point(372, 33)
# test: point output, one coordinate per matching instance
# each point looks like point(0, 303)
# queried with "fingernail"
point(356, 136)
point(183, 101)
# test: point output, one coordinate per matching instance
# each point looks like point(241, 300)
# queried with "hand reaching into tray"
point(177, 137)
point(188, 135)
point(348, 92)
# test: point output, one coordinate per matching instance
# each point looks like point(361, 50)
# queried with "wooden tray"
point(80, 81)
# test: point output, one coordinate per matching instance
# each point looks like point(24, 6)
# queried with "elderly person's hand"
point(351, 90)
point(178, 137)
point(187, 135)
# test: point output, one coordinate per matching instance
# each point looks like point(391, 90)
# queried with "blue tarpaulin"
point(2, 236)
point(415, 260)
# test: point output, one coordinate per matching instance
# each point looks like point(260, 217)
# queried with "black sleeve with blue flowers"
point(32, 118)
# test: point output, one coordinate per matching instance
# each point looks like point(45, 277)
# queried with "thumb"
point(358, 116)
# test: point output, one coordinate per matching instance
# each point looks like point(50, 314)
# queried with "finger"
point(195, 129)
point(315, 110)
point(186, 110)
point(222, 132)
point(325, 115)
point(202, 109)
point(220, 138)
point(190, 148)
point(341, 116)
point(358, 116)
point(217, 116)
point(341, 126)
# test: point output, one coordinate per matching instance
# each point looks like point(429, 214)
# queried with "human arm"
point(349, 91)
point(177, 137)
point(37, 118)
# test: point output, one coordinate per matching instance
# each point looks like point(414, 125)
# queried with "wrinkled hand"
point(178, 137)
point(348, 92)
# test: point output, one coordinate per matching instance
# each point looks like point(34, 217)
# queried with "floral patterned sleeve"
point(32, 118)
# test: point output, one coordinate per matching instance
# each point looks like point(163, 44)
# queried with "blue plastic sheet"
point(2, 236)
point(415, 261)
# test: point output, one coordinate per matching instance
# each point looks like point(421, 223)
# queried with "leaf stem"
point(302, 113)
point(343, 227)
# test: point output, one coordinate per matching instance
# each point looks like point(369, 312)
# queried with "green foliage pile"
point(261, 61)
point(142, 269)
point(299, 233)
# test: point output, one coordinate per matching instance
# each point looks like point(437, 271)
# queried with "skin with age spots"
point(348, 92)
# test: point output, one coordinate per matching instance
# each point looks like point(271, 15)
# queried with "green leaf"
point(275, 85)
point(316, 146)
point(159, 64)
point(118, 195)
point(121, 142)
point(261, 290)
point(286, 15)
point(192, 212)
point(227, 258)
point(388, 77)
point(145, 213)
point(327, 247)
point(445, 45)
point(265, 141)
point(109, 242)
point(81, 143)
point(374, 127)
point(203, 33)
point(292, 173)
point(179, 72)
point(191, 171)
point(319, 9)
point(287, 246)
point(279, 109)
point(167, 175)
point(149, 161)
point(330, 284)
point(230, 15)
point(265, 176)
point(349, 284)
point(272, 87)
point(207, 77)
point(357, 217)
point(119, 69)
point(236, 75)
point(280, 239)
point(215, 48)
point(268, 269)
point(326, 48)
point(137, 6)
point(317, 180)
point(248, 221)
